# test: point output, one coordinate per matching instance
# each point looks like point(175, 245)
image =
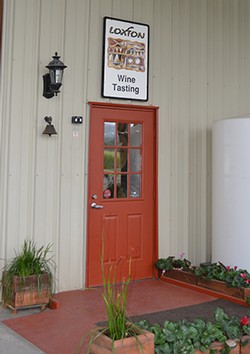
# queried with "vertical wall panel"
point(199, 73)
point(122, 9)
point(161, 95)
point(23, 100)
point(5, 98)
point(197, 131)
point(180, 122)
point(48, 151)
point(98, 10)
point(72, 216)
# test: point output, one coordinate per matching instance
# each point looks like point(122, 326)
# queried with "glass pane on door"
point(122, 170)
point(109, 133)
point(135, 135)
point(135, 186)
point(109, 160)
point(135, 160)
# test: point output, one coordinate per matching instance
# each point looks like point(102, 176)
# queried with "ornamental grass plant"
point(115, 295)
point(115, 299)
point(31, 260)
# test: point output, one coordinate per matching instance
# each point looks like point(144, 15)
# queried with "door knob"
point(96, 206)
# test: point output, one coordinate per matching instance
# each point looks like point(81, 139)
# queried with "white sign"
point(125, 60)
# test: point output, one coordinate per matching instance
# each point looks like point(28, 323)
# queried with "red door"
point(122, 190)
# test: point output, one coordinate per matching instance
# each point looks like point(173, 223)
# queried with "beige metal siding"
point(199, 72)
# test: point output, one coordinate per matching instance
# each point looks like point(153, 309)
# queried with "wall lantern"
point(50, 129)
point(53, 80)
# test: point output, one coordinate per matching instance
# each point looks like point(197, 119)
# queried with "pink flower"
point(247, 281)
point(243, 275)
point(244, 321)
point(228, 268)
point(235, 267)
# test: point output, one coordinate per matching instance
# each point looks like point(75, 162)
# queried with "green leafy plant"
point(32, 260)
point(248, 300)
point(186, 336)
point(171, 262)
point(232, 276)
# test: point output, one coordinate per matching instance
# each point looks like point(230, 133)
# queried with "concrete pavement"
point(10, 341)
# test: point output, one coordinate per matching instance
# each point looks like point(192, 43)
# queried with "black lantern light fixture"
point(53, 80)
point(50, 129)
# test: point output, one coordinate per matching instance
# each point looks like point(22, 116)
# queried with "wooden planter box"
point(181, 275)
point(246, 294)
point(220, 287)
point(27, 292)
point(104, 345)
point(202, 282)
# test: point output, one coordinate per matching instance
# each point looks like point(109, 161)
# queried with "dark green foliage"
point(171, 262)
point(186, 337)
point(233, 277)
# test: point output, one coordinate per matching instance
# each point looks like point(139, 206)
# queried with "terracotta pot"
point(245, 345)
point(235, 347)
point(29, 291)
point(216, 347)
point(104, 345)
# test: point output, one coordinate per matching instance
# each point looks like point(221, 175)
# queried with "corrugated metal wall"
point(199, 72)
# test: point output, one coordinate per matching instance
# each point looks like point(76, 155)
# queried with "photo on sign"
point(125, 60)
point(126, 55)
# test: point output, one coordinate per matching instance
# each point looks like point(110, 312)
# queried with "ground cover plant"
point(186, 337)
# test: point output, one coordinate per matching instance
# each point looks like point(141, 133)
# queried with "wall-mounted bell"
point(50, 129)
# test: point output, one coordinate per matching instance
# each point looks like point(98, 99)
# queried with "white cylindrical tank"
point(231, 192)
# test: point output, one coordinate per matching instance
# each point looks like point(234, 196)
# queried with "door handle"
point(96, 206)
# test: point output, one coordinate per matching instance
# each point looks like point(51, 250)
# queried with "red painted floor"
point(61, 330)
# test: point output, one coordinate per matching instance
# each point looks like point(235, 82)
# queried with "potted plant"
point(27, 278)
point(120, 335)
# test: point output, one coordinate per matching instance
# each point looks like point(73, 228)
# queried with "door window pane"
point(122, 166)
point(135, 186)
point(135, 135)
point(135, 160)
point(109, 159)
point(108, 186)
point(122, 186)
point(123, 134)
point(122, 160)
point(109, 133)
